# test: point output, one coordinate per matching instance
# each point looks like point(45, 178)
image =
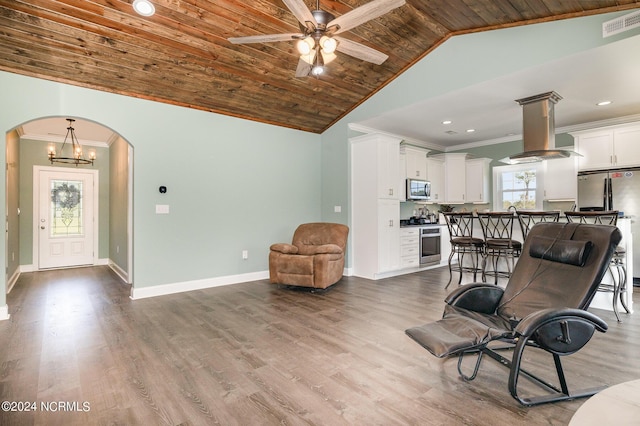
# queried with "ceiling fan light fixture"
point(310, 58)
point(318, 68)
point(306, 45)
point(328, 44)
point(328, 57)
point(144, 7)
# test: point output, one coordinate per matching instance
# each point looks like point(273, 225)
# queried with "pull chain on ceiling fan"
point(318, 41)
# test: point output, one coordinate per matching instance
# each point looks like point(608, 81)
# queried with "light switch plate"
point(162, 209)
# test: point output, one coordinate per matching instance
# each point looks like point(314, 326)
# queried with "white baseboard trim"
point(34, 268)
point(124, 276)
point(13, 279)
point(347, 272)
point(164, 289)
point(4, 312)
point(27, 268)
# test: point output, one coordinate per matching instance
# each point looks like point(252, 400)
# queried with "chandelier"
point(76, 156)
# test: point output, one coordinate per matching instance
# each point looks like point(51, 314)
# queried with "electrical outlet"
point(245, 254)
point(337, 209)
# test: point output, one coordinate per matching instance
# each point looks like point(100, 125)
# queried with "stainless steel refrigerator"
point(614, 190)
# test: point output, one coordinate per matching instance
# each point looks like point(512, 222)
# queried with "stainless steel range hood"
point(538, 130)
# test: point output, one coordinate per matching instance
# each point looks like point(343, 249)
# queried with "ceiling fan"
point(318, 40)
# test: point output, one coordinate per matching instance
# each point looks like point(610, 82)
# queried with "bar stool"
point(463, 243)
point(497, 228)
point(529, 218)
point(619, 279)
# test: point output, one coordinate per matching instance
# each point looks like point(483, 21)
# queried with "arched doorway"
point(27, 152)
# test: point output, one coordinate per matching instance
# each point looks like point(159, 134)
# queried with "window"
point(519, 186)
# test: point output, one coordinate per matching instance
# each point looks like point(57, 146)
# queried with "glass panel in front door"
point(66, 208)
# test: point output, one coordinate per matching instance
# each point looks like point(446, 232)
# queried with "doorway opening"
point(61, 216)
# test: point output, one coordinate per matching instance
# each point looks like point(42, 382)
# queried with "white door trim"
point(36, 208)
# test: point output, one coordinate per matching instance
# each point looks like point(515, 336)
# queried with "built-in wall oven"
point(430, 245)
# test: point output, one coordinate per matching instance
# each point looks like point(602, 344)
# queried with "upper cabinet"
point(435, 175)
point(387, 163)
point(402, 172)
point(560, 183)
point(477, 180)
point(454, 177)
point(415, 161)
point(610, 147)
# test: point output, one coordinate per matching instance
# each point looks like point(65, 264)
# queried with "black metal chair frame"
point(619, 278)
point(460, 225)
point(559, 325)
point(528, 219)
point(497, 228)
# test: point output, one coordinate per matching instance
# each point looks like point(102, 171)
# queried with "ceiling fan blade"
point(265, 38)
point(304, 69)
point(360, 51)
point(364, 13)
point(301, 12)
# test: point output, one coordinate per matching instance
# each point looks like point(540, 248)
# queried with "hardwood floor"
point(258, 354)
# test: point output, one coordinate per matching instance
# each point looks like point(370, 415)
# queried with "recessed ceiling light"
point(447, 122)
point(603, 103)
point(471, 130)
point(144, 7)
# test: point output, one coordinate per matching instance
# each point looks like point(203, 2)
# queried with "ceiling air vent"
point(621, 24)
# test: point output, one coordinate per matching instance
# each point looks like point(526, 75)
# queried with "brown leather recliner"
point(315, 257)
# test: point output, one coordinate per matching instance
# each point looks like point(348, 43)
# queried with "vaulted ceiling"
point(181, 54)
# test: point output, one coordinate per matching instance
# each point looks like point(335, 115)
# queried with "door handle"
point(42, 227)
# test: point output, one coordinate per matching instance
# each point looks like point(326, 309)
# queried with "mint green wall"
point(232, 184)
point(119, 203)
point(460, 62)
point(34, 153)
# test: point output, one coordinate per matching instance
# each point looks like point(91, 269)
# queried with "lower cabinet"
point(388, 235)
point(409, 248)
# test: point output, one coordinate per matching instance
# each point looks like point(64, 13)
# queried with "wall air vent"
point(621, 24)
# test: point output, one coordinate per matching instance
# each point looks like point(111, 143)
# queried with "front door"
point(65, 217)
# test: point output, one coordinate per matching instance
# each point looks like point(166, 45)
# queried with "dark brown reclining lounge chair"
point(543, 306)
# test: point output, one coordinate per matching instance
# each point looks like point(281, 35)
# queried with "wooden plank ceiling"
point(181, 54)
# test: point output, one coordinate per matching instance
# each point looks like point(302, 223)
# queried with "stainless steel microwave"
point(418, 190)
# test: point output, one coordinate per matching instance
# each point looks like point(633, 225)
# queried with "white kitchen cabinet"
point(402, 182)
point(375, 206)
point(626, 146)
point(435, 175)
point(608, 147)
point(387, 165)
point(409, 248)
point(560, 179)
point(388, 235)
point(454, 177)
point(477, 175)
point(416, 162)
